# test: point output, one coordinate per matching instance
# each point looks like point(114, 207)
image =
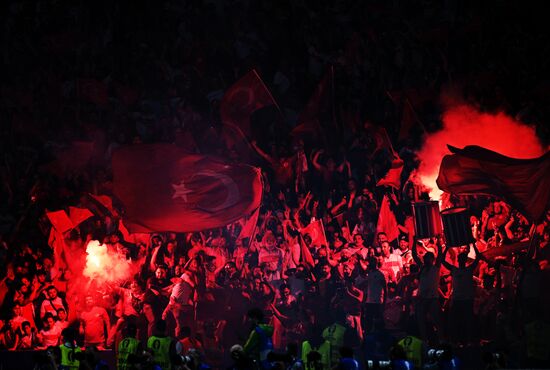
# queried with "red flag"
point(319, 101)
point(249, 224)
point(93, 91)
point(380, 138)
point(305, 255)
point(164, 188)
point(79, 215)
point(56, 240)
point(133, 238)
point(386, 220)
point(316, 232)
point(60, 221)
point(523, 183)
point(106, 202)
point(244, 98)
point(393, 177)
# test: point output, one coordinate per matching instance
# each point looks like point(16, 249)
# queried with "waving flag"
point(249, 225)
point(386, 220)
point(316, 232)
point(60, 221)
point(523, 183)
point(79, 215)
point(319, 104)
point(393, 176)
point(244, 98)
point(164, 188)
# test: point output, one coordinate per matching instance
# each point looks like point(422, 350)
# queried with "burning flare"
point(106, 266)
point(464, 125)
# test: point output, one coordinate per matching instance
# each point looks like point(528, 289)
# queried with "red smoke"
point(464, 125)
point(106, 266)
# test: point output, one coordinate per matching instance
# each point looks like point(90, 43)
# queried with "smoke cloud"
point(104, 266)
point(465, 125)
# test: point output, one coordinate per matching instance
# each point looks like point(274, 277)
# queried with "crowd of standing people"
point(125, 76)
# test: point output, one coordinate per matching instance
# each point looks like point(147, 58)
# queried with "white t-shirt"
point(393, 262)
point(51, 336)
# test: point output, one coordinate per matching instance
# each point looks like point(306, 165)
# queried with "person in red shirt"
point(94, 321)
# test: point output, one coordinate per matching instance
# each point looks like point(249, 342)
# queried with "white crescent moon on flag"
point(233, 194)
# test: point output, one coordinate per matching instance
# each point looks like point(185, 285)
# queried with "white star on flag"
point(180, 191)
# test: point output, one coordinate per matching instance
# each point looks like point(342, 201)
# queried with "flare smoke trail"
point(106, 266)
point(464, 125)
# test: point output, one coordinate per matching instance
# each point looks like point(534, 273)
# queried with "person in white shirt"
point(49, 335)
point(52, 303)
point(181, 306)
point(404, 251)
point(392, 264)
point(271, 256)
point(462, 309)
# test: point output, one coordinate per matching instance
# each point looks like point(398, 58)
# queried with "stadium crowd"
point(320, 272)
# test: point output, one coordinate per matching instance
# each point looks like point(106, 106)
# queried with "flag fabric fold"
point(164, 188)
point(319, 104)
point(387, 222)
point(106, 202)
point(393, 176)
point(316, 232)
point(243, 98)
point(79, 215)
point(60, 221)
point(249, 225)
point(523, 183)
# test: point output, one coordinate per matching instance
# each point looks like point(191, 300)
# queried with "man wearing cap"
point(403, 250)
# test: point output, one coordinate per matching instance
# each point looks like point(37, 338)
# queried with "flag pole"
point(270, 95)
point(254, 231)
point(323, 229)
point(407, 101)
point(333, 96)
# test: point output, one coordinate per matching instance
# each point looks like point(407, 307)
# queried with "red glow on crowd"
point(105, 266)
point(465, 125)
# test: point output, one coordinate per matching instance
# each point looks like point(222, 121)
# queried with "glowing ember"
point(104, 265)
point(464, 125)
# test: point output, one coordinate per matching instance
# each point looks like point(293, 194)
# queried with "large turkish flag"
point(164, 188)
point(524, 183)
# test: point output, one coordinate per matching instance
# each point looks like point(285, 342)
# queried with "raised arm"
point(345, 166)
point(261, 153)
point(508, 228)
point(444, 261)
point(355, 293)
point(440, 254)
point(478, 257)
point(315, 160)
